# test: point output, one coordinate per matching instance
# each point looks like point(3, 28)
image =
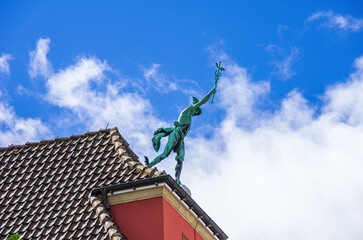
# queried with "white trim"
point(136, 189)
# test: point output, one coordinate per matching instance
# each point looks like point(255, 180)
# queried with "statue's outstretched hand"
point(214, 90)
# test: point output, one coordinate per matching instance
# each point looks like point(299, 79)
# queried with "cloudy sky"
point(279, 153)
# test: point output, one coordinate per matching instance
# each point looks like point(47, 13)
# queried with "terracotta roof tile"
point(44, 186)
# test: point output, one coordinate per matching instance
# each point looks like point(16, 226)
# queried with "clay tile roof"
point(45, 186)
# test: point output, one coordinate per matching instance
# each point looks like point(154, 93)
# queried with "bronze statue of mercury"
point(180, 130)
point(177, 134)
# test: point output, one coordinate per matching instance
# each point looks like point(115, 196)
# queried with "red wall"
point(140, 220)
point(175, 224)
point(152, 219)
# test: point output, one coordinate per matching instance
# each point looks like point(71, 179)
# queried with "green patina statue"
point(179, 131)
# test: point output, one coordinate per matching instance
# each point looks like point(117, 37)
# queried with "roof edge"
point(112, 229)
point(127, 155)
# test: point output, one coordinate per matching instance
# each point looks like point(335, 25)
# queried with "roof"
point(45, 186)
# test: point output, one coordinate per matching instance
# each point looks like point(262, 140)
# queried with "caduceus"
point(217, 75)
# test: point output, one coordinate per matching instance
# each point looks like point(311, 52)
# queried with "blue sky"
point(287, 121)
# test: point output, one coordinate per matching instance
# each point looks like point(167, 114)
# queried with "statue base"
point(186, 189)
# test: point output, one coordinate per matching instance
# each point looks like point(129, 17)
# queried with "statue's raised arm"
point(204, 99)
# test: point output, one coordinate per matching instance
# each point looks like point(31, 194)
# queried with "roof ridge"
point(122, 150)
point(57, 139)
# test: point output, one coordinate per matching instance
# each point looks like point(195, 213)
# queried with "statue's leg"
point(167, 150)
point(180, 152)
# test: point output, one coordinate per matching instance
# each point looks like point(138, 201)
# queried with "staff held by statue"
point(217, 75)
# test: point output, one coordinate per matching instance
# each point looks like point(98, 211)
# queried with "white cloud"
point(4, 63)
point(78, 89)
point(17, 130)
point(291, 174)
point(282, 62)
point(23, 91)
point(159, 81)
point(238, 93)
point(345, 100)
point(39, 64)
point(330, 19)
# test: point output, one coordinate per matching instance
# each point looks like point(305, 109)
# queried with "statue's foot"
point(147, 163)
point(178, 181)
